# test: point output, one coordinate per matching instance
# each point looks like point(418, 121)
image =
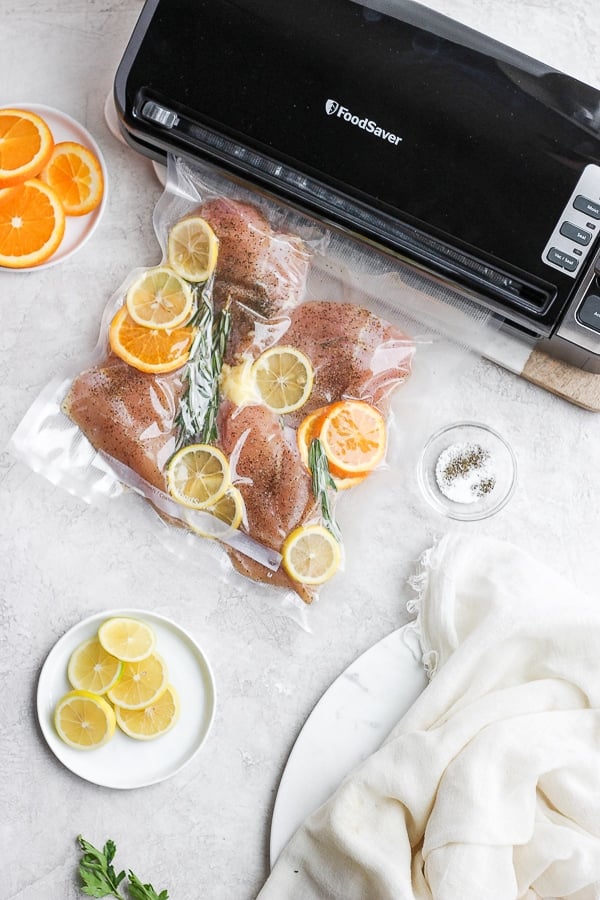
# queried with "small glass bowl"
point(502, 466)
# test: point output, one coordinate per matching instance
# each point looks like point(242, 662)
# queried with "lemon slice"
point(128, 639)
point(198, 475)
point(154, 720)
point(311, 554)
point(91, 668)
point(284, 378)
point(192, 249)
point(141, 683)
point(218, 520)
point(160, 299)
point(83, 720)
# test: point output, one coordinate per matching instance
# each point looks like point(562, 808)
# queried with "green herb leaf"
point(322, 485)
point(220, 334)
point(197, 415)
point(198, 381)
point(97, 873)
point(141, 891)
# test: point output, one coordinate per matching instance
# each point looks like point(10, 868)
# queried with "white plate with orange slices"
point(120, 759)
point(67, 187)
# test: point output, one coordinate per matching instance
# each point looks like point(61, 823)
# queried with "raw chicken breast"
point(257, 267)
point(131, 415)
point(273, 480)
point(127, 414)
point(354, 353)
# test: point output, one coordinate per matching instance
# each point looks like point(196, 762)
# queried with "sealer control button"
point(561, 259)
point(579, 235)
point(589, 207)
point(589, 312)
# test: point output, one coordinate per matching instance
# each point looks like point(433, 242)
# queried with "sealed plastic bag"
point(244, 384)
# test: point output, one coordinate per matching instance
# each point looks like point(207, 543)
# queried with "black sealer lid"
point(470, 146)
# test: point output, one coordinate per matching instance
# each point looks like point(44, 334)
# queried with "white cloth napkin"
point(489, 787)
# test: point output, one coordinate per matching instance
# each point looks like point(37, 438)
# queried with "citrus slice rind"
point(353, 435)
point(308, 430)
point(311, 555)
point(149, 350)
point(91, 668)
point(220, 519)
point(284, 378)
point(159, 298)
point(153, 720)
point(26, 145)
point(192, 249)
point(75, 173)
point(127, 639)
point(141, 683)
point(198, 475)
point(32, 224)
point(84, 720)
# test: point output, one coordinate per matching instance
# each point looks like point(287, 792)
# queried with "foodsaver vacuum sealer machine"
point(465, 158)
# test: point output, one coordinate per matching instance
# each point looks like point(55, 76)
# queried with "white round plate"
point(78, 229)
point(349, 723)
point(124, 762)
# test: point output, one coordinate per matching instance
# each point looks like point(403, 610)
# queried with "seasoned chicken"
point(354, 353)
point(131, 416)
point(257, 267)
point(273, 480)
point(127, 414)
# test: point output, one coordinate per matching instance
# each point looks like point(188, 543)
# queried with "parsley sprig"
point(100, 879)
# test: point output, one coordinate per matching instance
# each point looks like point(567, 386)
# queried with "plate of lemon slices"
point(126, 698)
point(53, 186)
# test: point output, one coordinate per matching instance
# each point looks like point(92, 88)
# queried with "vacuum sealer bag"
point(295, 365)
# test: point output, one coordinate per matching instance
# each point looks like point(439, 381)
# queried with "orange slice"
point(76, 175)
point(149, 349)
point(309, 429)
point(353, 436)
point(32, 224)
point(26, 143)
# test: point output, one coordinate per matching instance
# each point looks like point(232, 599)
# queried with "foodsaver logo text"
point(333, 108)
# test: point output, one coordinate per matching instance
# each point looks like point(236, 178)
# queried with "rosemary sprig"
point(220, 335)
point(322, 485)
point(197, 414)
